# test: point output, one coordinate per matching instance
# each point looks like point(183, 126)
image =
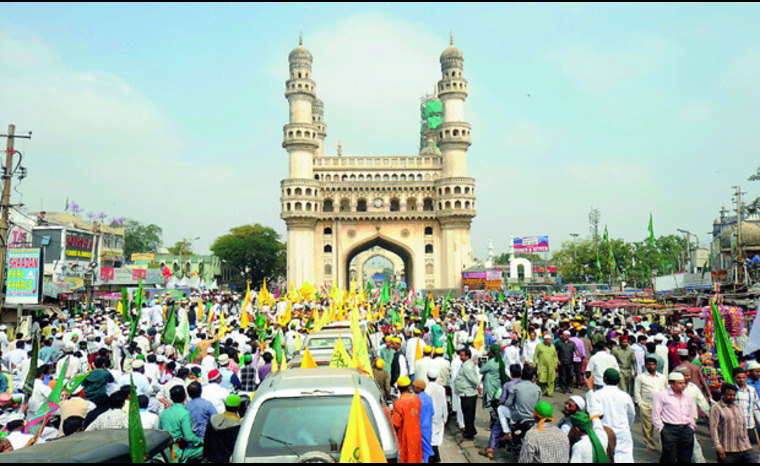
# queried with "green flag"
point(524, 322)
point(598, 262)
point(726, 354)
point(425, 311)
point(450, 346)
point(651, 231)
point(29, 382)
point(501, 297)
point(606, 235)
point(74, 383)
point(126, 316)
point(138, 305)
point(137, 443)
point(170, 329)
point(277, 347)
point(385, 295)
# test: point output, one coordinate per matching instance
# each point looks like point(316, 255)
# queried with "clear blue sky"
point(173, 113)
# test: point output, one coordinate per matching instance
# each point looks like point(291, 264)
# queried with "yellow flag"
point(340, 357)
point(287, 315)
point(222, 325)
point(293, 293)
point(436, 312)
point(308, 361)
point(265, 297)
point(199, 317)
point(308, 291)
point(284, 365)
point(360, 444)
point(418, 351)
point(361, 354)
point(275, 367)
point(480, 337)
point(244, 321)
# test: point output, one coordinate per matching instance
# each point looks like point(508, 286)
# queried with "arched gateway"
point(418, 207)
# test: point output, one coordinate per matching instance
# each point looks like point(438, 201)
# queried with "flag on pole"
point(137, 443)
point(606, 235)
point(28, 387)
point(170, 329)
point(277, 347)
point(480, 337)
point(651, 231)
point(360, 444)
point(138, 305)
point(361, 353)
point(726, 354)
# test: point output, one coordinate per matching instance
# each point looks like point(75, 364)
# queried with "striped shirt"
point(727, 427)
point(750, 404)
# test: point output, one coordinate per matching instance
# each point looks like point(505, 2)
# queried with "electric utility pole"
point(5, 205)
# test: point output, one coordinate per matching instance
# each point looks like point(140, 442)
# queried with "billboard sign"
point(78, 245)
point(531, 244)
point(24, 276)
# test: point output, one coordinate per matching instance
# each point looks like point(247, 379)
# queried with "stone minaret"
point(302, 140)
point(455, 192)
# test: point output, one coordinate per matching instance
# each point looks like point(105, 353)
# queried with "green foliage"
point(754, 206)
point(181, 248)
point(255, 247)
point(635, 262)
point(140, 238)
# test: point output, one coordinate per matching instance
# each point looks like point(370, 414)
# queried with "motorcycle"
point(518, 430)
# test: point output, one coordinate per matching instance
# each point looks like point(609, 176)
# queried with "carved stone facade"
point(418, 208)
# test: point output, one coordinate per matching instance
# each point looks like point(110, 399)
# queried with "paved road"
point(469, 449)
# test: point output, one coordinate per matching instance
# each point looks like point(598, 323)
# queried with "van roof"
point(321, 379)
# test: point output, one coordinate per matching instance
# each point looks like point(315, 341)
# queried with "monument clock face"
point(378, 203)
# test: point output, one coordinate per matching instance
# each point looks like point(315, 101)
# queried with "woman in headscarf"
point(586, 445)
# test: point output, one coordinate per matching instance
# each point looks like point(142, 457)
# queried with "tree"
point(634, 263)
point(254, 250)
point(754, 206)
point(139, 238)
point(181, 248)
point(503, 259)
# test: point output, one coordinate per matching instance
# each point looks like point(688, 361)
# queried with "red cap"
point(213, 374)
point(624, 338)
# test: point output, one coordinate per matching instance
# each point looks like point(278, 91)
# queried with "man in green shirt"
point(97, 382)
point(626, 359)
point(545, 359)
point(176, 420)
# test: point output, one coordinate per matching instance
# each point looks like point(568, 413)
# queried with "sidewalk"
point(470, 448)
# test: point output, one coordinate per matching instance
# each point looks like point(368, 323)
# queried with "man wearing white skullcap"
point(673, 417)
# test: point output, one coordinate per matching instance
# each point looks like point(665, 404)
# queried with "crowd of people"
point(433, 367)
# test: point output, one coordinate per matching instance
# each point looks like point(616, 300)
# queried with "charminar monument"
point(415, 210)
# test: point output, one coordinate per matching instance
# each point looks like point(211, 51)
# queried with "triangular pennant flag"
point(360, 445)
point(340, 357)
point(308, 361)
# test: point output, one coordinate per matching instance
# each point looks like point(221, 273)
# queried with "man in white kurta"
point(411, 351)
point(440, 410)
point(617, 412)
point(456, 402)
point(529, 347)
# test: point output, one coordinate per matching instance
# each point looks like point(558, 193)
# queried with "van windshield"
point(305, 424)
point(329, 343)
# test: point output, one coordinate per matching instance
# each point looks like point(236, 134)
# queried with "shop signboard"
point(78, 245)
point(24, 276)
